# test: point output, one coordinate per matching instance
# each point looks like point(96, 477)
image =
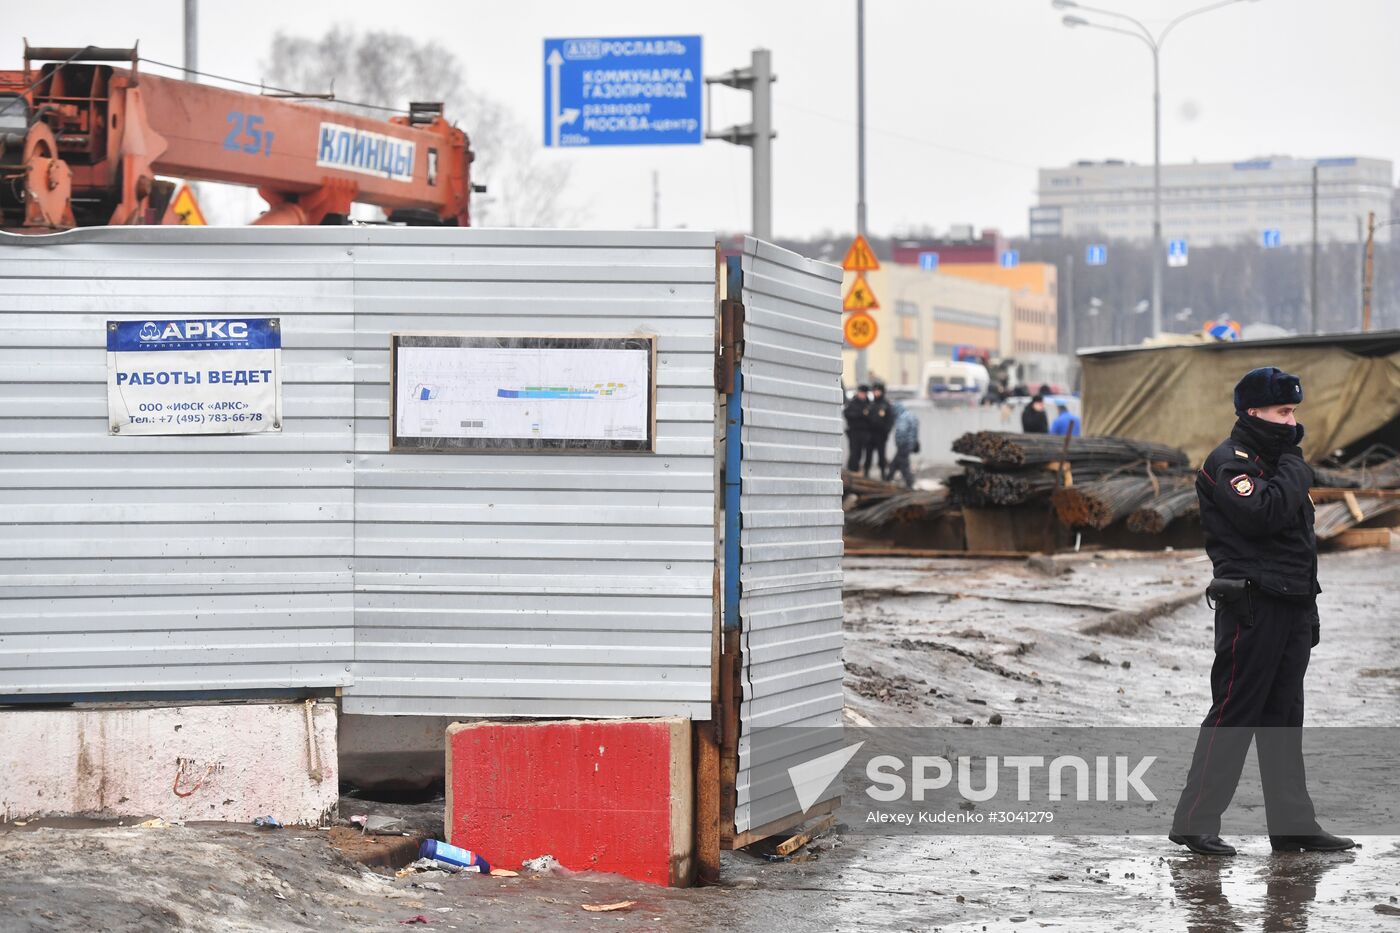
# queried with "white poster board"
point(207, 376)
point(457, 392)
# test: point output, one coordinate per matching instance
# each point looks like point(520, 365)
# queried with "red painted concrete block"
point(598, 795)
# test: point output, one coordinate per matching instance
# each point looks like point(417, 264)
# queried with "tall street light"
point(1154, 43)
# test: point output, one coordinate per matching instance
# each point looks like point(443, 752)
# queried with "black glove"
point(1316, 626)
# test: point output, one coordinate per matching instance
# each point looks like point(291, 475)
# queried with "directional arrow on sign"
point(557, 118)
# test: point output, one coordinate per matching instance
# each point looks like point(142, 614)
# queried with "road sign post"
point(632, 91)
point(757, 134)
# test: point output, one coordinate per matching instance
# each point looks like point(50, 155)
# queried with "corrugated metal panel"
point(790, 575)
point(452, 583)
point(172, 563)
point(537, 585)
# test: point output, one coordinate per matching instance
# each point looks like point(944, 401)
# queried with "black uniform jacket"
point(1258, 519)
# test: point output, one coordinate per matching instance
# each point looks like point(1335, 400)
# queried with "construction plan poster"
point(454, 392)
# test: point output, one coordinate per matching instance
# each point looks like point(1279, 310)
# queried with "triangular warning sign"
point(860, 257)
point(186, 208)
point(860, 297)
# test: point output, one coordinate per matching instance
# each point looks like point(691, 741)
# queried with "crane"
point(82, 141)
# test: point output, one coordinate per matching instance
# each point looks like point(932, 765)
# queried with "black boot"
point(1319, 842)
point(1203, 845)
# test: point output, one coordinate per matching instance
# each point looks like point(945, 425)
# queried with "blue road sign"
point(928, 262)
point(1177, 254)
point(1096, 255)
point(1010, 258)
point(637, 91)
point(1273, 237)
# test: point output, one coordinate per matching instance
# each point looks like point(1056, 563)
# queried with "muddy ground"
point(928, 643)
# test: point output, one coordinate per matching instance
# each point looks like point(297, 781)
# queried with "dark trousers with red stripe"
point(1262, 645)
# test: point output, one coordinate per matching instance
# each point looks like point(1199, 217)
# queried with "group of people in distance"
point(1036, 420)
point(871, 418)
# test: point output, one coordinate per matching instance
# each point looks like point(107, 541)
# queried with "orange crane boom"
point(81, 144)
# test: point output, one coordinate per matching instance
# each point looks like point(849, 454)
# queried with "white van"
point(952, 380)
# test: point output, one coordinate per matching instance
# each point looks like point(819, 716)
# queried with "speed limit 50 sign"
point(860, 330)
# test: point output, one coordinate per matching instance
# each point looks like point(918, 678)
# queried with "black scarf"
point(1266, 438)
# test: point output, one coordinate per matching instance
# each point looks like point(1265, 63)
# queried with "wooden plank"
point(1334, 494)
point(785, 824)
point(926, 552)
point(1349, 498)
point(1354, 538)
point(707, 802)
point(793, 843)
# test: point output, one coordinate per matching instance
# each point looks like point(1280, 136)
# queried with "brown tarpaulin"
point(1184, 395)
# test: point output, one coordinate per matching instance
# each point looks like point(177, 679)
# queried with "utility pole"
point(757, 134)
point(1368, 273)
point(862, 365)
point(1313, 277)
point(191, 40)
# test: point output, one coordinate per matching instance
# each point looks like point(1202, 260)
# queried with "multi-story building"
point(924, 316)
point(1214, 203)
point(1034, 326)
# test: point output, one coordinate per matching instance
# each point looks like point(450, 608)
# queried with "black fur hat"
point(1267, 386)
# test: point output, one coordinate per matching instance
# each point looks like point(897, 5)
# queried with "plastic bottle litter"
point(443, 852)
point(268, 822)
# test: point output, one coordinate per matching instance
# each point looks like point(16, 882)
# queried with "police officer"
point(1258, 523)
point(857, 413)
point(881, 423)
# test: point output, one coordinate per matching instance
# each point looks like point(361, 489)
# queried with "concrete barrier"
point(602, 795)
point(227, 762)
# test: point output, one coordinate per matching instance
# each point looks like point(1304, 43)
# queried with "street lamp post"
point(1368, 271)
point(1154, 44)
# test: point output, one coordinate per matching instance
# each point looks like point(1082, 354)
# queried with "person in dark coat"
point(857, 413)
point(1258, 523)
point(1034, 420)
point(881, 419)
point(906, 444)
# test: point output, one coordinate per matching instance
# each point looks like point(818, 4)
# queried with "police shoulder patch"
point(1243, 485)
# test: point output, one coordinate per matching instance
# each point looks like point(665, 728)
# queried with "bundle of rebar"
point(1332, 518)
point(1377, 476)
point(1009, 449)
point(1101, 503)
point(989, 486)
point(912, 505)
point(1153, 516)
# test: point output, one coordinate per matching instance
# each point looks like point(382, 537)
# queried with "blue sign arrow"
point(1010, 259)
point(637, 91)
point(1096, 255)
point(928, 262)
point(1177, 254)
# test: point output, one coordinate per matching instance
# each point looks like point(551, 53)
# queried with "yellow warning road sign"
point(860, 330)
point(860, 297)
point(860, 257)
point(186, 208)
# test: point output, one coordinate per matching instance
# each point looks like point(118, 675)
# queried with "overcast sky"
point(965, 98)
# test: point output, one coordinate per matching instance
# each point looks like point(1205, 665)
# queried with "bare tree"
point(390, 69)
